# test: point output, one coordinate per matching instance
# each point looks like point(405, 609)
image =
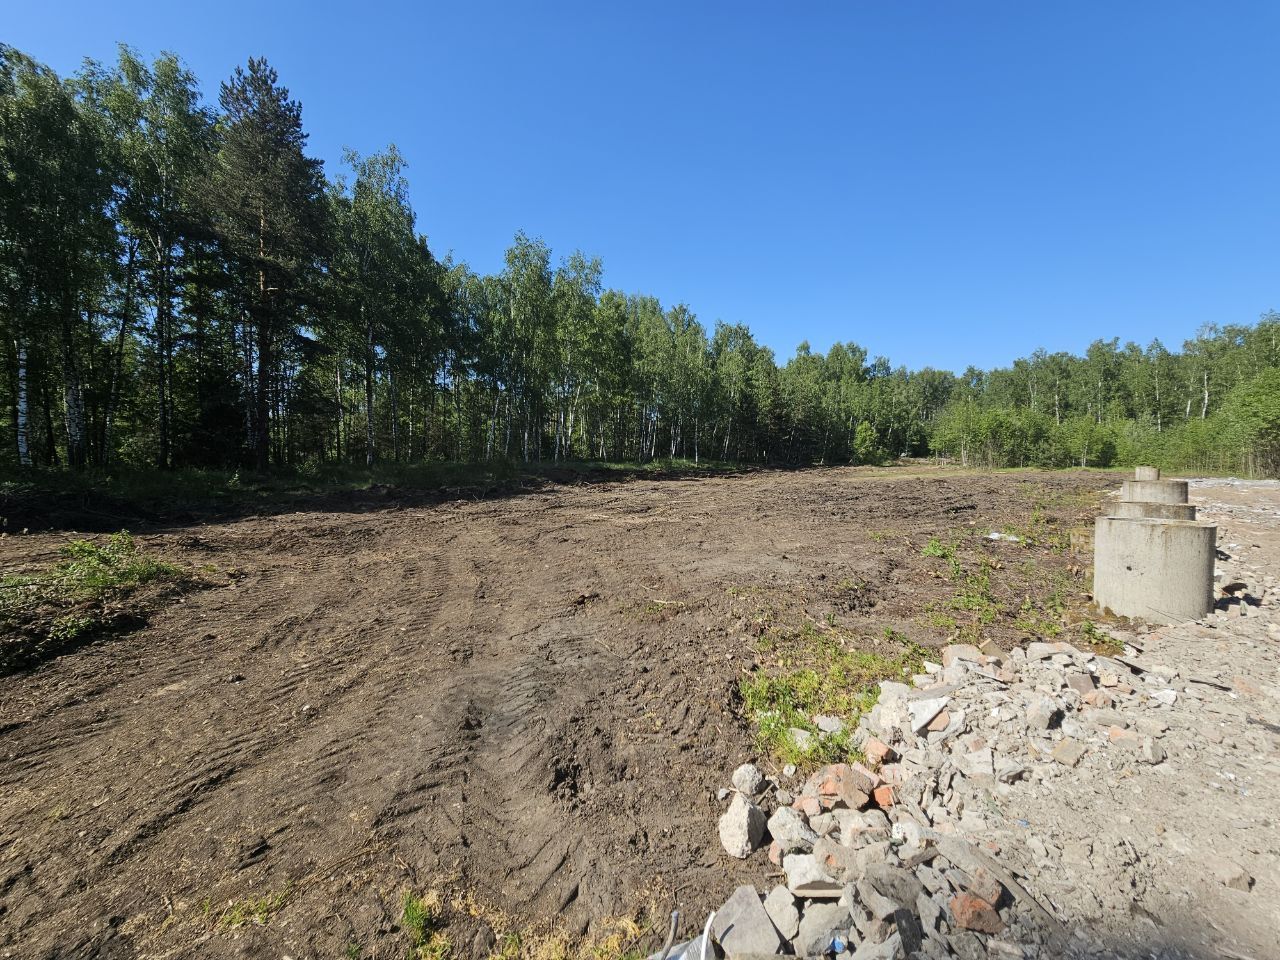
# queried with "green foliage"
point(181, 286)
point(1100, 640)
point(1210, 408)
point(87, 571)
point(257, 910)
point(821, 675)
point(421, 918)
point(45, 611)
point(944, 551)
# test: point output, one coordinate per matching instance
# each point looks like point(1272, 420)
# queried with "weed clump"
point(257, 910)
point(821, 676)
point(84, 594)
point(422, 921)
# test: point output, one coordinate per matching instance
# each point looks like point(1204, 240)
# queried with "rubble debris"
point(742, 828)
point(951, 841)
point(748, 779)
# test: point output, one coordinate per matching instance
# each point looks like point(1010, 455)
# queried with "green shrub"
point(80, 595)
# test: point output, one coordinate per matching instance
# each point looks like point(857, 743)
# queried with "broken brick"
point(878, 752)
point(974, 913)
point(986, 887)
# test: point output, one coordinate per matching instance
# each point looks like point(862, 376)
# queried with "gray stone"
point(742, 925)
point(780, 905)
point(787, 826)
point(741, 828)
point(889, 950)
point(1081, 683)
point(872, 854)
point(1106, 717)
point(748, 779)
point(806, 877)
point(929, 912)
point(1230, 874)
point(824, 824)
point(891, 690)
point(922, 712)
point(689, 950)
point(894, 882)
point(967, 946)
point(881, 907)
point(1068, 752)
point(1150, 751)
point(1009, 770)
point(977, 763)
point(819, 922)
point(1041, 713)
point(931, 879)
point(828, 724)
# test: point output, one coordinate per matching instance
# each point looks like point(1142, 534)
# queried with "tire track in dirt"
point(537, 692)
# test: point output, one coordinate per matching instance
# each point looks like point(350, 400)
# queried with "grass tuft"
point(821, 675)
point(79, 596)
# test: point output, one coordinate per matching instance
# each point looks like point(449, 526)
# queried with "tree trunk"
point(72, 394)
point(117, 359)
point(164, 336)
point(262, 428)
point(23, 407)
point(395, 416)
point(368, 393)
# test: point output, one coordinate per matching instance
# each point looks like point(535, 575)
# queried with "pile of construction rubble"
point(896, 858)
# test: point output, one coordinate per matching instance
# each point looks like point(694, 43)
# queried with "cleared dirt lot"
point(531, 697)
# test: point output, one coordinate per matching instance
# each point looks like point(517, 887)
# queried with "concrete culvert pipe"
point(1156, 570)
point(1154, 491)
point(1152, 511)
point(1146, 473)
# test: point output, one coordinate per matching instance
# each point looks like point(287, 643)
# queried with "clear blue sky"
point(943, 182)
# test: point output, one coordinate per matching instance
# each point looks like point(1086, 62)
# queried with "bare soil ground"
point(532, 698)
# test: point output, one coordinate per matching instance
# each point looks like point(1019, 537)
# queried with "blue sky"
point(946, 183)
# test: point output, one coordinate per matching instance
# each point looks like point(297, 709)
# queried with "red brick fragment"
point(877, 752)
point(974, 913)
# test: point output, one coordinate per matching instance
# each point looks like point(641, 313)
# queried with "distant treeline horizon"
point(182, 285)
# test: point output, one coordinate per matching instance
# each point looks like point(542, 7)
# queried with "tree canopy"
point(181, 284)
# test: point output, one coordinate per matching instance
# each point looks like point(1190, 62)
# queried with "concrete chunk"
point(780, 905)
point(748, 779)
point(741, 828)
point(787, 826)
point(807, 878)
point(820, 922)
point(742, 925)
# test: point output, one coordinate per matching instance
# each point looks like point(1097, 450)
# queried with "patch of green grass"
point(936, 618)
point(821, 675)
point(252, 910)
point(421, 917)
point(77, 596)
point(660, 610)
point(944, 551)
point(1100, 640)
point(975, 595)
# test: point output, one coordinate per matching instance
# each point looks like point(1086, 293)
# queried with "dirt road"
point(531, 697)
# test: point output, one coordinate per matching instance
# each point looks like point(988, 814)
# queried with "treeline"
point(1213, 407)
point(182, 285)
